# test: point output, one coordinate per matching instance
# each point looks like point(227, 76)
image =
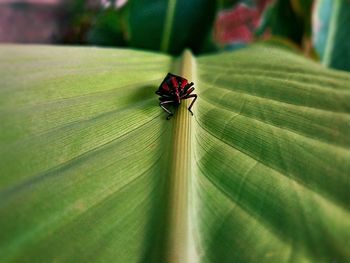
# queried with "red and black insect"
point(172, 90)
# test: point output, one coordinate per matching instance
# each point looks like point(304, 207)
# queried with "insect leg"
point(185, 90)
point(162, 103)
point(189, 85)
point(191, 96)
point(165, 97)
point(188, 92)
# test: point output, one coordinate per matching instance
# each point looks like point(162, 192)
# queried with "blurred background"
point(320, 29)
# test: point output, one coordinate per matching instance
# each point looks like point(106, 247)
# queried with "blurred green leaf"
point(227, 3)
point(303, 9)
point(84, 150)
point(108, 28)
point(289, 19)
point(332, 33)
point(170, 26)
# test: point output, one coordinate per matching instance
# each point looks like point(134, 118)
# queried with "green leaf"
point(107, 29)
point(289, 21)
point(281, 20)
point(331, 33)
point(170, 26)
point(91, 171)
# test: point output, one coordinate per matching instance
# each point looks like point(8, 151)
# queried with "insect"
point(172, 90)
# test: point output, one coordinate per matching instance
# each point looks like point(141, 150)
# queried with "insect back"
point(172, 90)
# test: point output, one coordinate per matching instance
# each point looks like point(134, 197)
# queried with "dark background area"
point(315, 28)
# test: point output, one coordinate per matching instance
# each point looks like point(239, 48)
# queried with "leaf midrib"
point(180, 246)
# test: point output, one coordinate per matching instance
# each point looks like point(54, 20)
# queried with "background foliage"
point(318, 28)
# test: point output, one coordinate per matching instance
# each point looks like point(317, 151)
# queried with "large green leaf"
point(170, 26)
point(91, 171)
point(161, 25)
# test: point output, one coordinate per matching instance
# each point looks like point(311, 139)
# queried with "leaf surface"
point(86, 170)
